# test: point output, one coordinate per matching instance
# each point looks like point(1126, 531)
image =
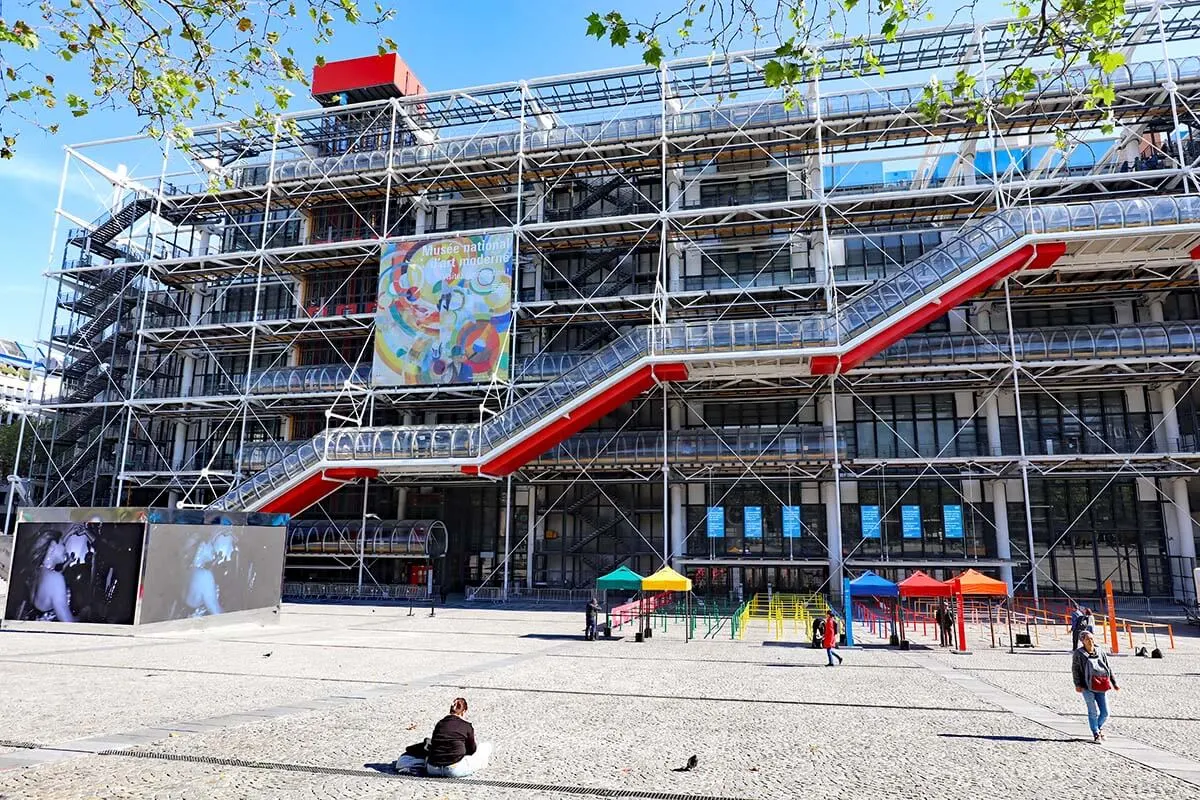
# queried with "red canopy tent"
point(973, 582)
point(921, 585)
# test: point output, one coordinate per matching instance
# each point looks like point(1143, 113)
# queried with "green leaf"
point(1109, 61)
point(596, 26)
point(619, 35)
point(773, 73)
point(653, 54)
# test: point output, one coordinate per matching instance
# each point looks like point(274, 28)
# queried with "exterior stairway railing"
point(970, 251)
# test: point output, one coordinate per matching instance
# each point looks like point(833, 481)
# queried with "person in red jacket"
point(831, 638)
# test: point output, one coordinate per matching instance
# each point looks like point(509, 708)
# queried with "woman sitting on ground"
point(452, 752)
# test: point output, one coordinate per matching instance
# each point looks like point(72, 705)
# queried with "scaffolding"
point(685, 242)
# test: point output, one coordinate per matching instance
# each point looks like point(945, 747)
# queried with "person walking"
point(818, 632)
point(944, 618)
point(1082, 621)
point(589, 618)
point(1093, 678)
point(831, 638)
point(452, 752)
point(1073, 626)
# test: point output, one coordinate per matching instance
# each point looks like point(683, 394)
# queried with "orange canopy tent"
point(973, 582)
point(921, 585)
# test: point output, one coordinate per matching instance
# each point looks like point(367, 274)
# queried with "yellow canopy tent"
point(666, 580)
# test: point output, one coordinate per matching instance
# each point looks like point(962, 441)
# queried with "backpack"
point(418, 750)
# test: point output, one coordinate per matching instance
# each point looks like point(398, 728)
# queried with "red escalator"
point(315, 487)
point(525, 450)
point(1031, 256)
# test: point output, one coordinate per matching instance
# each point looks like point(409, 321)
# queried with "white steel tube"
point(1012, 344)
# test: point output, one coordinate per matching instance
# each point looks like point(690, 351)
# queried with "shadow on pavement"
point(1069, 740)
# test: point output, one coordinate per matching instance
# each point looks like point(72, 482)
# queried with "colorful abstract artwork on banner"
point(445, 311)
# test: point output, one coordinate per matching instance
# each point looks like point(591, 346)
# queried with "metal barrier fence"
point(352, 591)
point(521, 594)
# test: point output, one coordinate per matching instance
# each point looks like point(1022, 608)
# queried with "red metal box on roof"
point(367, 78)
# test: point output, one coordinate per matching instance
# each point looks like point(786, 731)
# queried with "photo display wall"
point(205, 570)
point(75, 572)
point(134, 566)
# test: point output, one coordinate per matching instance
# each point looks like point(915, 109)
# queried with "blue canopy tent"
point(871, 585)
point(866, 585)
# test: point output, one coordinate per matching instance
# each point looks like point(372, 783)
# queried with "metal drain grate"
point(364, 773)
point(20, 745)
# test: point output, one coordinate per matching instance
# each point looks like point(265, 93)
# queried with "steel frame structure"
point(223, 304)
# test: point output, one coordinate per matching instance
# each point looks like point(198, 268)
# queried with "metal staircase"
point(95, 290)
point(96, 353)
point(93, 385)
point(80, 336)
point(596, 261)
point(963, 266)
point(98, 334)
point(602, 525)
point(616, 188)
point(64, 490)
point(97, 238)
point(80, 425)
point(620, 278)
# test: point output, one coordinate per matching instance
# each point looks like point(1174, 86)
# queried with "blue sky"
point(449, 44)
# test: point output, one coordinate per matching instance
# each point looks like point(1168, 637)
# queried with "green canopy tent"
point(621, 579)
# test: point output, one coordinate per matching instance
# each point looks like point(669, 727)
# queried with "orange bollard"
point(1112, 615)
point(1171, 636)
point(962, 623)
point(1129, 633)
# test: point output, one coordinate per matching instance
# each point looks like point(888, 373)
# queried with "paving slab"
point(345, 689)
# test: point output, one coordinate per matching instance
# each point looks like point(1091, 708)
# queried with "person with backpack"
point(831, 638)
point(1073, 626)
point(1093, 679)
point(818, 632)
point(1082, 620)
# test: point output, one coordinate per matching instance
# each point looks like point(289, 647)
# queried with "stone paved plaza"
point(316, 705)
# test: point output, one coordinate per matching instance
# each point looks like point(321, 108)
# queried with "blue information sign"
point(753, 518)
point(716, 522)
point(910, 522)
point(870, 521)
point(953, 517)
point(791, 522)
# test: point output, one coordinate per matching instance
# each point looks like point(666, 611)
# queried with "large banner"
point(445, 311)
